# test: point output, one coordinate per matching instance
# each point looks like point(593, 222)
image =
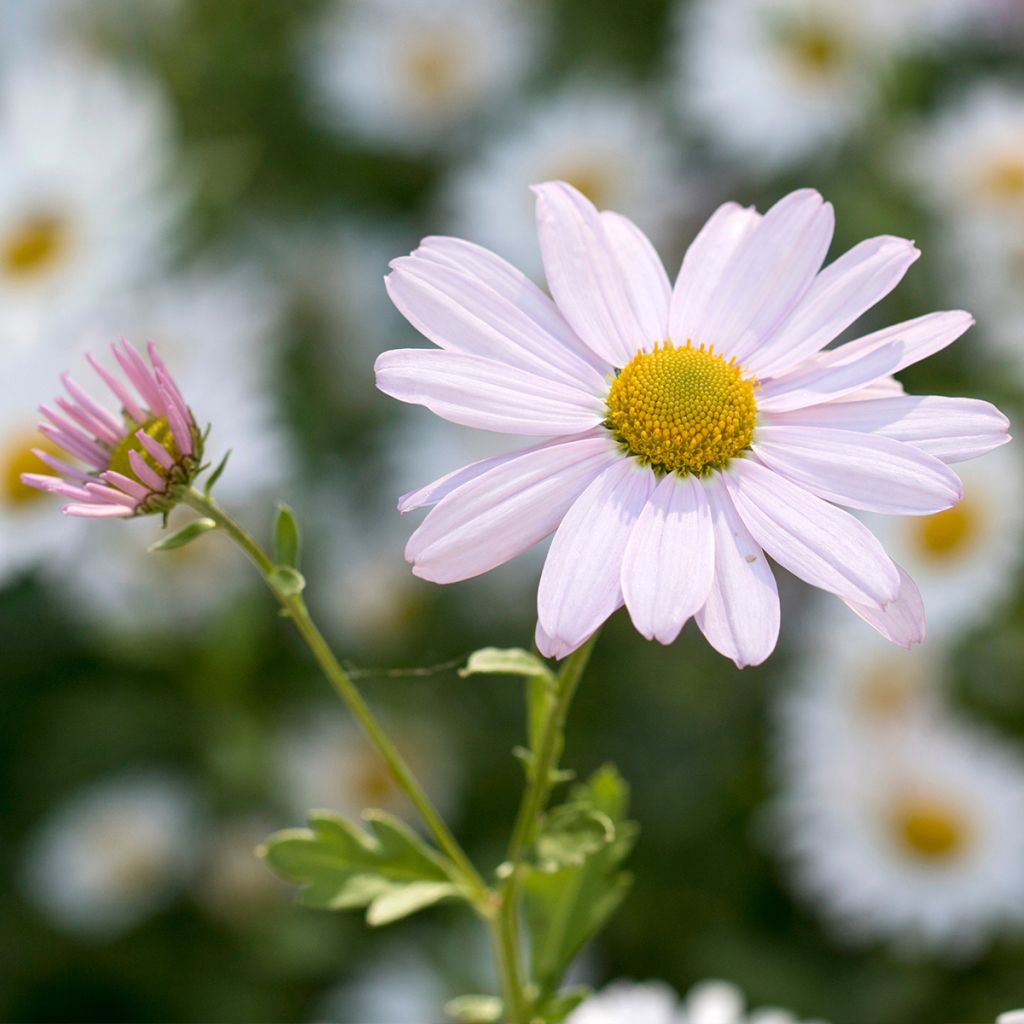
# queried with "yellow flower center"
point(17, 458)
point(158, 429)
point(433, 68)
point(595, 181)
point(1004, 178)
point(889, 692)
point(33, 245)
point(682, 409)
point(930, 828)
point(947, 534)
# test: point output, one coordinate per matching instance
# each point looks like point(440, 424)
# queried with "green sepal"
point(567, 907)
point(215, 475)
point(286, 580)
point(287, 537)
point(474, 1009)
point(570, 834)
point(188, 533)
point(388, 870)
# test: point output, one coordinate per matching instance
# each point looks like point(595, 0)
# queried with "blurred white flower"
point(86, 202)
point(1011, 1017)
point(216, 332)
point(965, 560)
point(610, 143)
point(323, 761)
point(406, 73)
point(916, 836)
point(774, 81)
point(113, 854)
point(231, 882)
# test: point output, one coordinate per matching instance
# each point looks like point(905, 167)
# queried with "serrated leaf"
point(511, 661)
point(567, 907)
point(188, 533)
point(287, 537)
point(389, 870)
point(474, 1009)
point(570, 834)
point(288, 582)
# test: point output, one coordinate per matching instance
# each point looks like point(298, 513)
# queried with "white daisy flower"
point(216, 328)
point(608, 143)
point(324, 761)
point(695, 428)
point(1011, 1017)
point(966, 559)
point(775, 81)
point(85, 204)
point(113, 854)
point(406, 73)
point(917, 837)
point(648, 1002)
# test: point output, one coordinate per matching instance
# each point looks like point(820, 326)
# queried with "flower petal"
point(551, 647)
point(740, 618)
point(669, 560)
point(901, 621)
point(584, 275)
point(481, 393)
point(706, 258)
point(505, 510)
point(644, 274)
point(846, 288)
point(814, 540)
point(951, 429)
point(911, 341)
point(767, 275)
point(579, 587)
point(459, 313)
point(863, 471)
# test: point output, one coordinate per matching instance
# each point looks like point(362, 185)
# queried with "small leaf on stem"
point(188, 533)
point(287, 538)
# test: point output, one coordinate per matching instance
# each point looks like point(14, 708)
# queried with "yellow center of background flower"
point(1004, 178)
point(931, 829)
point(16, 458)
point(158, 429)
point(947, 534)
point(35, 244)
point(682, 409)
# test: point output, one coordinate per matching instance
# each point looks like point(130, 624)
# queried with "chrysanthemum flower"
point(125, 465)
point(695, 428)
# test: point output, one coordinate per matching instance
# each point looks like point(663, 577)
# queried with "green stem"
point(338, 678)
point(534, 802)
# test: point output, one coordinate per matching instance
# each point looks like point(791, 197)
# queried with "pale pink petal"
point(584, 275)
point(821, 544)
point(884, 387)
point(433, 492)
point(55, 485)
point(951, 429)
point(123, 394)
point(145, 472)
point(110, 424)
point(163, 375)
point(551, 647)
point(669, 560)
point(68, 431)
point(901, 621)
point(767, 275)
point(481, 393)
point(817, 381)
point(92, 426)
point(460, 313)
point(138, 373)
point(178, 423)
point(846, 288)
point(864, 471)
point(60, 465)
point(646, 281)
point(129, 486)
point(741, 616)
point(906, 343)
point(154, 449)
point(510, 284)
point(102, 493)
point(507, 509)
point(701, 272)
point(579, 587)
point(97, 511)
point(87, 451)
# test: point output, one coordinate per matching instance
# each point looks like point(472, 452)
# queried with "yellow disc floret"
point(682, 409)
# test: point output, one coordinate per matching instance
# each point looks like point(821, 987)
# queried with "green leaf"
point(188, 533)
point(389, 869)
point(570, 834)
point(567, 907)
point(474, 1009)
point(288, 582)
point(287, 537)
point(558, 1006)
point(511, 661)
point(215, 475)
